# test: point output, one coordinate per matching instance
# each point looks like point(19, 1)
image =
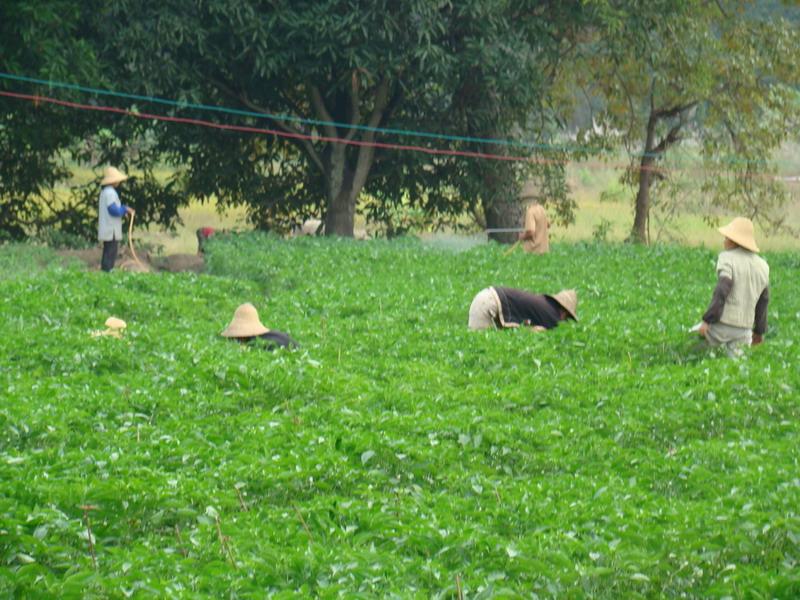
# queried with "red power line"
point(37, 99)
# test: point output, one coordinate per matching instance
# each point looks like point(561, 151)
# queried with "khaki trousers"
point(485, 310)
point(733, 339)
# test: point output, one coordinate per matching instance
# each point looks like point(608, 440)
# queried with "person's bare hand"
point(757, 339)
point(131, 211)
point(703, 329)
point(538, 328)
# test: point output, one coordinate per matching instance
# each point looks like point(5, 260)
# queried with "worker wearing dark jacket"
point(246, 327)
point(737, 314)
point(505, 307)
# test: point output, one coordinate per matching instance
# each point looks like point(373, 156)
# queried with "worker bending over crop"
point(504, 307)
point(246, 327)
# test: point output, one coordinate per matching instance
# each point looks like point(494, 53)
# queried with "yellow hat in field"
point(114, 328)
point(245, 323)
point(741, 232)
point(115, 323)
point(113, 175)
point(568, 299)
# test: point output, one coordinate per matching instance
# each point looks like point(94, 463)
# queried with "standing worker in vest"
point(737, 315)
point(535, 238)
point(109, 216)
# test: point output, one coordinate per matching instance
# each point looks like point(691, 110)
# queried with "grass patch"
point(395, 451)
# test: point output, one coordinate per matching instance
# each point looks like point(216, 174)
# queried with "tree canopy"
point(40, 40)
point(341, 82)
point(339, 70)
point(709, 72)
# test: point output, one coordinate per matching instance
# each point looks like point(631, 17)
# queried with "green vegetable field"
point(395, 454)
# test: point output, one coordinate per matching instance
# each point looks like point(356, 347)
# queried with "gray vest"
point(108, 227)
point(750, 275)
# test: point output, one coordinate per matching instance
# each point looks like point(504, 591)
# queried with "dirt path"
point(173, 263)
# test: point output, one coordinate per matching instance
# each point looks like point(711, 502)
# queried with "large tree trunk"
point(503, 211)
point(642, 209)
point(639, 233)
point(346, 168)
point(501, 204)
point(341, 213)
point(647, 173)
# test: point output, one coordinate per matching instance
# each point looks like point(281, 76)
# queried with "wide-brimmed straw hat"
point(245, 323)
point(113, 175)
point(115, 323)
point(740, 231)
point(114, 328)
point(568, 299)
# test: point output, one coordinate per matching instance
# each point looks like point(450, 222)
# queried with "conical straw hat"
point(245, 323)
point(115, 323)
point(568, 299)
point(113, 175)
point(740, 231)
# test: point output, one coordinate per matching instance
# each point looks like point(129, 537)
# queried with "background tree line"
point(721, 75)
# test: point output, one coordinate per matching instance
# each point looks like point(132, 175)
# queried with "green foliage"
point(722, 71)
point(40, 39)
point(712, 72)
point(57, 238)
point(23, 260)
point(602, 230)
point(419, 65)
point(395, 450)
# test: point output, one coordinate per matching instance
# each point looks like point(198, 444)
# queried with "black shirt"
point(525, 308)
point(272, 340)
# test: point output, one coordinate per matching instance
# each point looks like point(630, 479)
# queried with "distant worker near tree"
point(507, 308)
point(203, 234)
point(535, 238)
point(109, 216)
point(737, 315)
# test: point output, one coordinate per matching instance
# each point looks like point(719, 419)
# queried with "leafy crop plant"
point(395, 454)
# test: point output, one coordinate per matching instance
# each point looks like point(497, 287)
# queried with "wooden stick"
point(223, 542)
point(459, 591)
point(241, 499)
point(510, 250)
point(183, 551)
point(86, 509)
point(130, 241)
point(303, 521)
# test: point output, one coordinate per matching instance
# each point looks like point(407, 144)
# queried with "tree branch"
point(367, 153)
point(322, 111)
point(305, 145)
point(355, 105)
point(667, 113)
point(669, 139)
point(381, 101)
